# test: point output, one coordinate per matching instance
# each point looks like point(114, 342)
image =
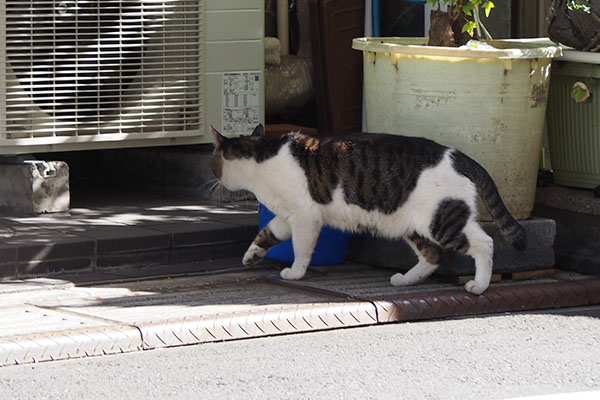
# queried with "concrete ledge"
point(577, 241)
point(122, 238)
point(34, 187)
point(576, 200)
point(577, 215)
point(538, 255)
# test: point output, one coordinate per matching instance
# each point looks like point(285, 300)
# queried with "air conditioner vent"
point(84, 67)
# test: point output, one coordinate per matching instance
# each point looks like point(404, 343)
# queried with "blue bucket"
point(331, 248)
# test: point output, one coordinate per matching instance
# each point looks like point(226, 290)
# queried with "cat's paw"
point(399, 280)
point(290, 274)
point(253, 255)
point(475, 287)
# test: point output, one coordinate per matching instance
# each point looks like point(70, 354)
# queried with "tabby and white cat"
point(393, 186)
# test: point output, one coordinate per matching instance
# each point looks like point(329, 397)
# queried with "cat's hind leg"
point(454, 228)
point(305, 233)
point(276, 231)
point(481, 248)
point(429, 255)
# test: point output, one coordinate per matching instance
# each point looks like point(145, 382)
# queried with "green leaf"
point(469, 27)
point(487, 6)
point(579, 94)
point(468, 8)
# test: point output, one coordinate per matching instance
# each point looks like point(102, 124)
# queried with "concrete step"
point(577, 216)
point(123, 236)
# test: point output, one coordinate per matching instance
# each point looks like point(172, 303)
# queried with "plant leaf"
point(487, 6)
point(469, 27)
point(468, 8)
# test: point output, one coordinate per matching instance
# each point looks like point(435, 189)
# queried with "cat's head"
point(229, 154)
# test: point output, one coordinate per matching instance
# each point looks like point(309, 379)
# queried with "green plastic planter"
point(574, 128)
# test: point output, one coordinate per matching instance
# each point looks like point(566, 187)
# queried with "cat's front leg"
point(304, 238)
point(276, 231)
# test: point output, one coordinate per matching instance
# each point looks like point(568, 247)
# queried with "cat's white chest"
point(280, 184)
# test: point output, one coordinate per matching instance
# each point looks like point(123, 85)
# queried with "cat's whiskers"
point(208, 184)
point(216, 193)
point(213, 190)
point(216, 185)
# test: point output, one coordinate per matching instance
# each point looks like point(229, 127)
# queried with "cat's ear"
point(258, 131)
point(218, 139)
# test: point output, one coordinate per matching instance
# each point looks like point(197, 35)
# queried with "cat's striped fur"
point(393, 186)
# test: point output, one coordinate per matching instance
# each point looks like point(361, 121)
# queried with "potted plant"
point(573, 103)
point(486, 98)
point(459, 23)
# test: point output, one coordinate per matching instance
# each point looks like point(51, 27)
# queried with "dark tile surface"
point(250, 227)
point(133, 259)
point(127, 238)
point(8, 253)
point(8, 270)
point(246, 219)
point(198, 253)
point(63, 247)
point(40, 268)
point(83, 277)
point(193, 234)
point(68, 223)
point(27, 234)
point(114, 234)
point(182, 269)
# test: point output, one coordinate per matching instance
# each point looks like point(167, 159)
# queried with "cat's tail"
point(509, 227)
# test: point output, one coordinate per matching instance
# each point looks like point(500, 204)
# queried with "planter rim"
point(580, 56)
point(504, 48)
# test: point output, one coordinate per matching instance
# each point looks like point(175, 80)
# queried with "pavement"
point(44, 319)
point(137, 273)
point(123, 229)
point(501, 356)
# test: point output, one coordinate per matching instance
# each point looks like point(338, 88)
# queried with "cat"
point(393, 186)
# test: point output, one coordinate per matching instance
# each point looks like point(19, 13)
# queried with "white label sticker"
point(241, 102)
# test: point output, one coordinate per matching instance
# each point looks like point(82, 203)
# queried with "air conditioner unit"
point(89, 74)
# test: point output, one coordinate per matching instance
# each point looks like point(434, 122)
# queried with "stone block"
point(34, 187)
point(577, 244)
point(538, 255)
